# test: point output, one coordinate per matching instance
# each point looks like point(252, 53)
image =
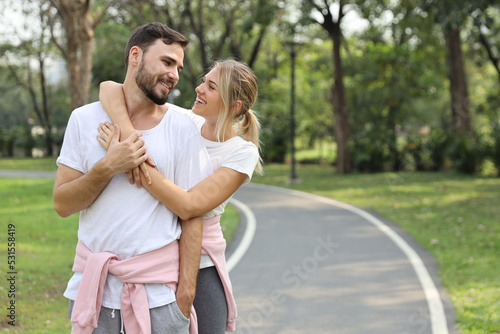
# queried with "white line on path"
point(436, 309)
point(247, 237)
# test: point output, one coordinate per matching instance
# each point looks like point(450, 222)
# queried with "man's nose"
point(174, 74)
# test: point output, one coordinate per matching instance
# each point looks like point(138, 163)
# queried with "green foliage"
point(395, 71)
point(7, 140)
point(388, 80)
point(453, 13)
point(437, 147)
point(108, 61)
point(467, 154)
point(275, 121)
point(369, 152)
point(25, 140)
point(495, 150)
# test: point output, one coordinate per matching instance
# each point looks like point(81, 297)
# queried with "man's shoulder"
point(93, 108)
point(178, 109)
point(180, 119)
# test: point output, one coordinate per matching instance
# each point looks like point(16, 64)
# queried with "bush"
point(369, 152)
point(495, 150)
point(437, 145)
point(467, 154)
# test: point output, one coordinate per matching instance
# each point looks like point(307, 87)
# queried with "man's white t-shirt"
point(125, 220)
point(235, 153)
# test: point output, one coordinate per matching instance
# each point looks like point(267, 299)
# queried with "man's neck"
point(144, 113)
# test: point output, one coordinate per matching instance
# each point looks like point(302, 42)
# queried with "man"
point(128, 249)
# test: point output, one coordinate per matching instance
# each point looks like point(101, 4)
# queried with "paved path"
point(320, 266)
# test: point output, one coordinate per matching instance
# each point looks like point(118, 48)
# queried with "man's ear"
point(237, 107)
point(135, 55)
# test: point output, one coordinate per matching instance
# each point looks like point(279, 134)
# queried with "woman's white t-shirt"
point(235, 153)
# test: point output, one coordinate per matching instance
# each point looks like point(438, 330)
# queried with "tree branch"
point(487, 46)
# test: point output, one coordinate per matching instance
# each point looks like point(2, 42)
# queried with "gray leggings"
point(210, 302)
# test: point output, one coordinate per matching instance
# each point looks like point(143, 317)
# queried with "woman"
point(230, 131)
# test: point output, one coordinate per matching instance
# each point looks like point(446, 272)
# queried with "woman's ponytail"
point(248, 127)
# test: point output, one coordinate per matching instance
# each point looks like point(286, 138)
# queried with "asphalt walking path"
point(315, 265)
point(301, 263)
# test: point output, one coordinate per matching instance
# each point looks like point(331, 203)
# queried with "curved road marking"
point(436, 309)
point(247, 237)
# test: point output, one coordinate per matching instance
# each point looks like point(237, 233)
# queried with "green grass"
point(45, 248)
point(47, 164)
point(455, 217)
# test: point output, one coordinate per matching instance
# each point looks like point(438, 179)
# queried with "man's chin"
point(159, 100)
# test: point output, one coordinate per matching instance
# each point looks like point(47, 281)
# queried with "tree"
point(452, 15)
point(486, 33)
point(78, 18)
point(390, 71)
point(20, 62)
point(232, 29)
point(331, 23)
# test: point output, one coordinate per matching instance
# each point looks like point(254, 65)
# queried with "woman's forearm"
point(200, 199)
point(113, 102)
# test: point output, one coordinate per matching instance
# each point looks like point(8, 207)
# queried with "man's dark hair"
point(147, 34)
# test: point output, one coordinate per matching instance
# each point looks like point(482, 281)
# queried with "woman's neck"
point(208, 132)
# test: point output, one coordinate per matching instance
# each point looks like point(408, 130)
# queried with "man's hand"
point(185, 302)
point(106, 131)
point(126, 155)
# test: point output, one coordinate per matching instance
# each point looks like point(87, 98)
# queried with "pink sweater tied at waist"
point(158, 266)
point(213, 244)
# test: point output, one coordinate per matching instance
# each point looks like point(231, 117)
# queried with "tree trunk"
point(45, 119)
point(86, 34)
point(339, 100)
point(340, 107)
point(393, 139)
point(79, 27)
point(71, 55)
point(460, 105)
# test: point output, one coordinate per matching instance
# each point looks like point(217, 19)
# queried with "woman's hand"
point(106, 131)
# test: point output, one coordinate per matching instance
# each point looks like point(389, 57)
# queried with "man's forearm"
point(78, 194)
point(190, 251)
point(75, 191)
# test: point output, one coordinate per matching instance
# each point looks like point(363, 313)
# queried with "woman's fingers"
point(137, 176)
point(130, 175)
point(145, 172)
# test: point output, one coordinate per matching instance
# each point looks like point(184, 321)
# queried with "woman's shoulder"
point(238, 145)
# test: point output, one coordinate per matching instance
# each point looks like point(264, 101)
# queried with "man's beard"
point(147, 83)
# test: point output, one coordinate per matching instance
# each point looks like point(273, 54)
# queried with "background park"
point(388, 105)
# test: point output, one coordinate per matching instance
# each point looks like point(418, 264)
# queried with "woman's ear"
point(237, 107)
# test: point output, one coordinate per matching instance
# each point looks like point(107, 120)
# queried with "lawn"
point(455, 217)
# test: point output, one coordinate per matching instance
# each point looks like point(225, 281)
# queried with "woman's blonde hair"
point(237, 82)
